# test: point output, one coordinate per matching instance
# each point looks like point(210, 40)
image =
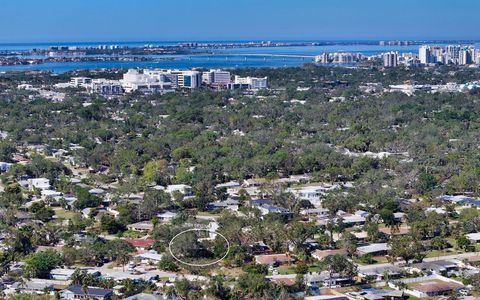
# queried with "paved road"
point(430, 259)
point(110, 270)
point(368, 267)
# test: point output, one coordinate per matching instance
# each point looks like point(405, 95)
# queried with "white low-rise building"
point(38, 183)
point(61, 274)
point(149, 257)
point(473, 237)
point(373, 249)
point(179, 188)
point(105, 87)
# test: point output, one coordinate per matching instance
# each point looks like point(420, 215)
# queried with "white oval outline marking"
point(198, 265)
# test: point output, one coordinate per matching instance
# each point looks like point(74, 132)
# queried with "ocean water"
point(182, 62)
point(248, 57)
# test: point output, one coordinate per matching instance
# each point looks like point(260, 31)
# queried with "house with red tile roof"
point(141, 244)
point(273, 259)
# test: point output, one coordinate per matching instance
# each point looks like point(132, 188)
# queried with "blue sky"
point(174, 20)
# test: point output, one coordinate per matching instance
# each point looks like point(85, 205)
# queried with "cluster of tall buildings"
point(163, 81)
point(429, 54)
point(450, 54)
point(154, 81)
point(338, 58)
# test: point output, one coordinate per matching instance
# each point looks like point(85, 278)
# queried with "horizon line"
point(240, 40)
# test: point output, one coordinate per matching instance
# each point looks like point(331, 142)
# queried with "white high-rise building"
point(390, 59)
point(187, 79)
point(452, 53)
point(465, 57)
point(424, 55)
point(322, 58)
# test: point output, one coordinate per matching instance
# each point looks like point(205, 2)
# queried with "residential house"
point(76, 291)
point(328, 297)
point(440, 267)
point(377, 294)
point(273, 259)
point(373, 249)
point(144, 296)
point(143, 226)
point(352, 220)
point(96, 191)
point(361, 236)
point(425, 287)
point(321, 254)
point(228, 185)
point(32, 287)
point(38, 183)
point(183, 189)
point(141, 244)
point(311, 194)
point(461, 200)
point(166, 216)
point(50, 194)
point(229, 204)
point(151, 256)
point(315, 212)
point(474, 237)
point(396, 231)
point(61, 274)
point(261, 202)
point(324, 279)
point(380, 272)
point(273, 209)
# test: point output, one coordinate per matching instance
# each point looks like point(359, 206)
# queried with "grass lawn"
point(207, 214)
point(64, 214)
point(286, 270)
point(314, 269)
point(437, 253)
point(234, 272)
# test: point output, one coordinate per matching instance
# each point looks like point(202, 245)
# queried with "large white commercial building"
point(105, 87)
point(217, 77)
point(146, 81)
point(187, 79)
point(80, 81)
point(160, 80)
point(252, 83)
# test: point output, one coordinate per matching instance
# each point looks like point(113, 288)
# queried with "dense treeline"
point(226, 135)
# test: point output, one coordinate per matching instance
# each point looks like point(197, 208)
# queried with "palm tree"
point(123, 258)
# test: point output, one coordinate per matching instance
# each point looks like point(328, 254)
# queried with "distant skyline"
point(24, 21)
